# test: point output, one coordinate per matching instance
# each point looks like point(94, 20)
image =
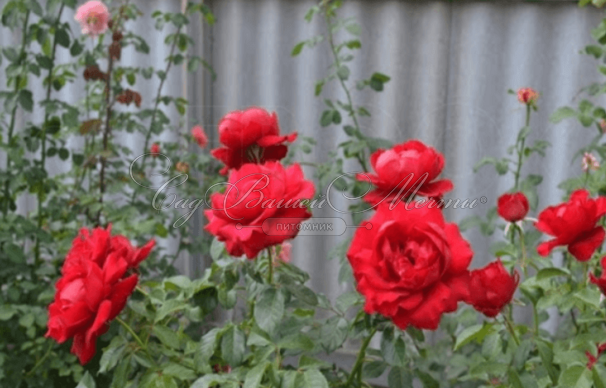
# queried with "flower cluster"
point(261, 193)
point(98, 276)
point(410, 264)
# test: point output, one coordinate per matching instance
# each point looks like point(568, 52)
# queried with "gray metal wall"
point(451, 66)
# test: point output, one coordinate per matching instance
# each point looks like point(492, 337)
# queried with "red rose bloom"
point(406, 169)
point(410, 265)
point(573, 223)
point(491, 288)
point(93, 289)
point(257, 192)
point(513, 207)
point(200, 136)
point(601, 281)
point(250, 136)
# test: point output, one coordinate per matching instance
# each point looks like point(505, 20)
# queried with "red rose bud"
point(250, 136)
point(93, 289)
point(513, 207)
point(271, 193)
point(199, 136)
point(410, 265)
point(491, 288)
point(527, 96)
point(155, 149)
point(405, 170)
point(601, 281)
point(573, 224)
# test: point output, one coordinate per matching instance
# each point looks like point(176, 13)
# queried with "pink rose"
point(199, 135)
point(93, 17)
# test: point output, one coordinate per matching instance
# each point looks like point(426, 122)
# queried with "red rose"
point(513, 207)
point(591, 359)
point(491, 288)
point(257, 192)
point(155, 149)
point(199, 135)
point(93, 289)
point(250, 136)
point(601, 281)
point(410, 265)
point(406, 169)
point(98, 245)
point(573, 223)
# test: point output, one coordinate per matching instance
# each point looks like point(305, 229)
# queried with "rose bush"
point(93, 263)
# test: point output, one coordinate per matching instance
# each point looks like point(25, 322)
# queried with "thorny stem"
point(135, 336)
point(157, 104)
point(360, 360)
point(41, 361)
point(46, 118)
point(521, 151)
point(270, 264)
point(108, 115)
point(11, 127)
point(361, 157)
point(511, 329)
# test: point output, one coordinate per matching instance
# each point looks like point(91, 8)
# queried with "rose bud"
point(527, 96)
point(155, 149)
point(182, 167)
point(513, 207)
point(199, 135)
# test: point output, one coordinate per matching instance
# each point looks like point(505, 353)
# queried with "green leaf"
point(255, 375)
point(167, 336)
point(207, 348)
point(26, 100)
point(233, 346)
point(62, 37)
point(87, 382)
point(561, 114)
point(399, 378)
point(393, 349)
point(169, 307)
point(297, 49)
point(590, 296)
point(111, 357)
point(576, 376)
point(269, 309)
point(326, 118)
point(546, 354)
point(514, 378)
point(343, 72)
point(76, 48)
point(353, 28)
point(473, 333)
point(373, 369)
point(314, 378)
point(547, 273)
point(216, 249)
